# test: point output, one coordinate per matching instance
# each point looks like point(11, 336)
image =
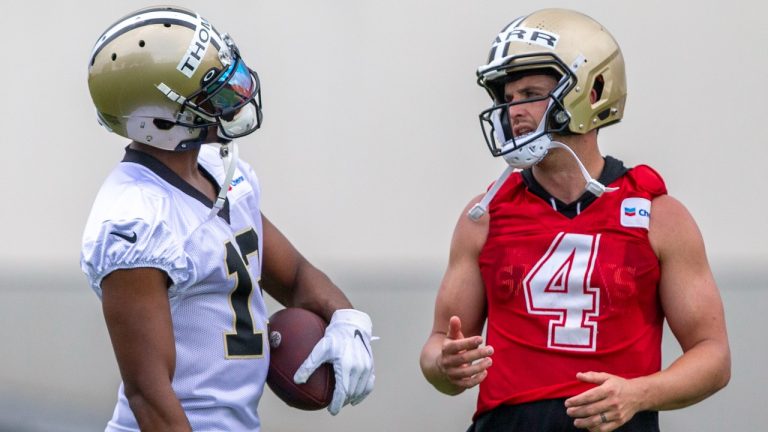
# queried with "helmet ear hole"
point(598, 87)
point(163, 124)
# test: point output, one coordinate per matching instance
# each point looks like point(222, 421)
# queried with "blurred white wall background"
point(371, 144)
point(370, 149)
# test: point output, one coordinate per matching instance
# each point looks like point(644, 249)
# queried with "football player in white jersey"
point(176, 245)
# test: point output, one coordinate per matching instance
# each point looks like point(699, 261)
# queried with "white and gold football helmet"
point(570, 46)
point(163, 76)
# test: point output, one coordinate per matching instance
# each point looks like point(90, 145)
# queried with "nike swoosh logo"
point(126, 237)
point(360, 335)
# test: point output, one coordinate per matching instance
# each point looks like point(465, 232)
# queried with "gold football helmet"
point(570, 46)
point(163, 76)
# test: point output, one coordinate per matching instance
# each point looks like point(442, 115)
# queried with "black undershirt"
point(612, 171)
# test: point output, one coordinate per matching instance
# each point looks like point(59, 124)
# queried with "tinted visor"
point(233, 89)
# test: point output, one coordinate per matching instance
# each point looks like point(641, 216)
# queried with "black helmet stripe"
point(513, 24)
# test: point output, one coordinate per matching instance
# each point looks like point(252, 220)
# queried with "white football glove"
point(347, 345)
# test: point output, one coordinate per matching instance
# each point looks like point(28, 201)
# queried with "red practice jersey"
point(570, 295)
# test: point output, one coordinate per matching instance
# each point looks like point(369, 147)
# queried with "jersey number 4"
point(246, 341)
point(558, 286)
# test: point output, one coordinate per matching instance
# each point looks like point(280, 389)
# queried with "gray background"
point(370, 149)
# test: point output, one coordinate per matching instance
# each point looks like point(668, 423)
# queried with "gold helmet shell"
point(579, 49)
point(163, 75)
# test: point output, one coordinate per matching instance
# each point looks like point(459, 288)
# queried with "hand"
point(616, 398)
point(347, 345)
point(462, 361)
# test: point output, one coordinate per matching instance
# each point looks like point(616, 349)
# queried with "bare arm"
point(452, 359)
point(138, 317)
point(694, 311)
point(293, 281)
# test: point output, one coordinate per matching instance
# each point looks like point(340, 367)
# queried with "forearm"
point(157, 410)
point(306, 287)
point(697, 374)
point(148, 387)
point(315, 291)
point(428, 361)
point(293, 281)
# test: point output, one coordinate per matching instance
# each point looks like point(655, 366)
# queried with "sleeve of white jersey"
point(131, 233)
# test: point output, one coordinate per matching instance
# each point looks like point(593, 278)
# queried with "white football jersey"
point(146, 216)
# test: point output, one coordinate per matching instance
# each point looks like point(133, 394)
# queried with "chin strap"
point(228, 153)
point(481, 208)
point(593, 186)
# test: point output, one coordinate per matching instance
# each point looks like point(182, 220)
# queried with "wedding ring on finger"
point(602, 418)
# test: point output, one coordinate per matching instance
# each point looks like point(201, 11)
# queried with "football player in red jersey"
point(572, 260)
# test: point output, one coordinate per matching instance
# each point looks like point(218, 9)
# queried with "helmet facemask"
point(229, 99)
point(525, 150)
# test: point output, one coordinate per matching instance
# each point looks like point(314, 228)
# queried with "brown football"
point(293, 333)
